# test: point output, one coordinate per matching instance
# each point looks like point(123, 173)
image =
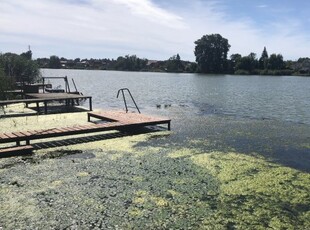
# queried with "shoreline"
point(147, 180)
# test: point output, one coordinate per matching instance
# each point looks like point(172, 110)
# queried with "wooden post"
point(88, 117)
point(38, 107)
point(45, 107)
point(90, 104)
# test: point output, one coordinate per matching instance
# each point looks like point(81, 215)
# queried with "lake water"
point(264, 115)
point(284, 98)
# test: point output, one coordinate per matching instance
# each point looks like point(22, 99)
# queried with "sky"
point(152, 29)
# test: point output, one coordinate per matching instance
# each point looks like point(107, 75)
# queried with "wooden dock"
point(46, 98)
point(129, 119)
point(116, 120)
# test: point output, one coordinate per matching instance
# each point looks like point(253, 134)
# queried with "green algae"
point(255, 192)
point(131, 183)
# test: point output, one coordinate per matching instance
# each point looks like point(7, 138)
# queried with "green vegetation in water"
point(127, 184)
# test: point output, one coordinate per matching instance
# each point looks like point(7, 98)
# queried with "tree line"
point(211, 52)
point(122, 63)
point(211, 56)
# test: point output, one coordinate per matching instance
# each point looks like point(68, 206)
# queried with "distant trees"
point(174, 64)
point(211, 57)
point(211, 53)
point(130, 63)
point(265, 65)
point(275, 62)
point(54, 62)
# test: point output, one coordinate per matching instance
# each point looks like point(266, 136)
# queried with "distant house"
point(150, 62)
point(64, 64)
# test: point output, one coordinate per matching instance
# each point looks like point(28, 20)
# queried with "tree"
point(174, 64)
point(130, 63)
point(54, 62)
point(5, 84)
point(211, 53)
point(19, 68)
point(27, 55)
point(263, 60)
point(247, 63)
point(276, 62)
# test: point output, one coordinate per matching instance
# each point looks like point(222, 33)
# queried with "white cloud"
point(109, 28)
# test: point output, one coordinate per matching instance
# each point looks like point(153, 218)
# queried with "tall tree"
point(263, 60)
point(211, 53)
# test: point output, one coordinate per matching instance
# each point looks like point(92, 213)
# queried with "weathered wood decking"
point(48, 97)
point(129, 119)
point(117, 120)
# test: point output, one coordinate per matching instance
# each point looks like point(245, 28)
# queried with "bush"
point(19, 68)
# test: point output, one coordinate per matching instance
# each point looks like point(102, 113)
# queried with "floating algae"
point(150, 181)
point(254, 192)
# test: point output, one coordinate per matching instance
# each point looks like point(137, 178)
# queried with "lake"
point(268, 115)
point(260, 97)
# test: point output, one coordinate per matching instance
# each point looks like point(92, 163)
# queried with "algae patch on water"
point(129, 182)
point(255, 192)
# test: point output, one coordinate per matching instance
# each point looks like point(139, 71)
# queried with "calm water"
point(284, 98)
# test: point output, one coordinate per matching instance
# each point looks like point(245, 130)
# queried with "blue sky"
point(152, 29)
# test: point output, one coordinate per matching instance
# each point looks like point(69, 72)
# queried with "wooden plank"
point(26, 133)
point(10, 135)
point(57, 130)
point(63, 130)
point(25, 149)
point(2, 136)
point(18, 134)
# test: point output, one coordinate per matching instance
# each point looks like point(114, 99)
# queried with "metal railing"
point(124, 98)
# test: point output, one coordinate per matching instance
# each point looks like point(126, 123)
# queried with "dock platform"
point(45, 98)
point(116, 120)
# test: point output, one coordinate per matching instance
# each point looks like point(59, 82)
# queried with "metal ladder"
point(124, 98)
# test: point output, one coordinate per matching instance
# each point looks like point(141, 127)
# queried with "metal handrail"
point(124, 98)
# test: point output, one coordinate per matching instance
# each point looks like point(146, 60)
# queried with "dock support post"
point(45, 107)
point(90, 104)
point(88, 117)
point(169, 126)
point(38, 107)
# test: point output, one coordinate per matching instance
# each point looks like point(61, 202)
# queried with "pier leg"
point(169, 126)
point(90, 105)
point(45, 107)
point(38, 108)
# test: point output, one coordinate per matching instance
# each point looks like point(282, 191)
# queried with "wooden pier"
point(46, 98)
point(115, 120)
